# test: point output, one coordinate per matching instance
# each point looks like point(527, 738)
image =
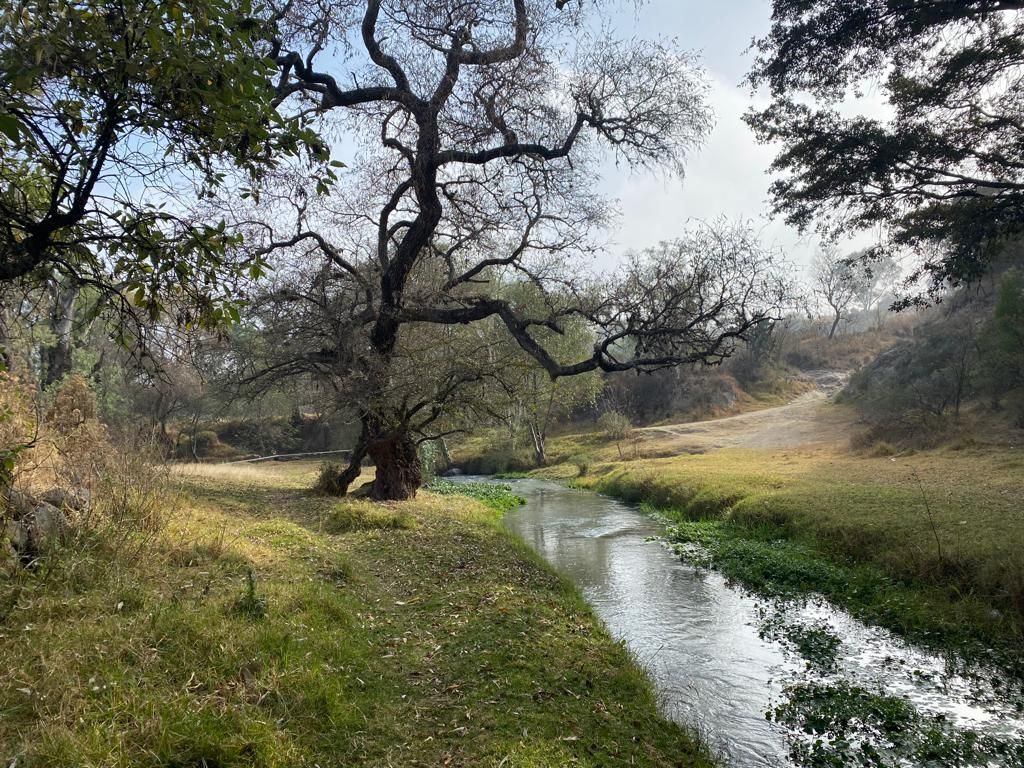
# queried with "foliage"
point(1002, 339)
point(844, 718)
point(113, 114)
point(616, 426)
point(837, 285)
point(919, 381)
point(942, 175)
point(18, 424)
point(498, 496)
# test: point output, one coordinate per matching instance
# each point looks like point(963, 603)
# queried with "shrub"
point(204, 444)
point(616, 427)
point(583, 462)
point(327, 479)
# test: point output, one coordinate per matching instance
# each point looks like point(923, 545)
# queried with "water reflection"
point(697, 637)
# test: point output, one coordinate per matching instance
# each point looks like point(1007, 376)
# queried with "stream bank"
point(770, 681)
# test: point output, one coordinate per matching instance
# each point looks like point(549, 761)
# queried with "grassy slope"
point(929, 544)
point(415, 634)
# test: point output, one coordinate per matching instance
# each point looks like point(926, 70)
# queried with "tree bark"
point(540, 454)
point(398, 474)
point(835, 324)
point(395, 456)
point(59, 357)
point(5, 339)
point(446, 456)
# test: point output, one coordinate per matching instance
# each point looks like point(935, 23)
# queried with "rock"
point(20, 504)
point(33, 533)
point(47, 526)
point(453, 472)
point(71, 499)
point(16, 534)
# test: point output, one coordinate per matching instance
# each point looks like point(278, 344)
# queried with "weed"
point(251, 604)
point(817, 644)
point(842, 724)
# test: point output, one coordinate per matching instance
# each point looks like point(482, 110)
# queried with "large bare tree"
point(480, 125)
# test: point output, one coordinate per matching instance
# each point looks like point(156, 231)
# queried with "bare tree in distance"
point(837, 284)
point(480, 126)
point(877, 278)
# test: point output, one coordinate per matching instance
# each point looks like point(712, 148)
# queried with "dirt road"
point(808, 420)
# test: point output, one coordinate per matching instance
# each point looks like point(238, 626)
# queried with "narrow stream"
point(721, 662)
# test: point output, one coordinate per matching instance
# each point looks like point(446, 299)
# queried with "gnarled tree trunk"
point(397, 461)
point(395, 456)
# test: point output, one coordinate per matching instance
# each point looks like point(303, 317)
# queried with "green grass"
point(850, 725)
point(497, 496)
point(931, 545)
point(258, 630)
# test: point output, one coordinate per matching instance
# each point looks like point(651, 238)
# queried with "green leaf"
point(10, 126)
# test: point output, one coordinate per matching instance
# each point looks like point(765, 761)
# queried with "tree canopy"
point(114, 116)
point(943, 171)
point(480, 126)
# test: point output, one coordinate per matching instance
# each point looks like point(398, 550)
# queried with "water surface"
point(700, 638)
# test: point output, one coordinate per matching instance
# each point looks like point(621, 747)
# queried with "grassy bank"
point(931, 545)
point(266, 627)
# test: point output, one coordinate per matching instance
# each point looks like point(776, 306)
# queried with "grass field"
point(267, 627)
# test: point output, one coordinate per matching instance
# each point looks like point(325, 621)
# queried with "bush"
point(327, 479)
point(583, 462)
point(204, 444)
point(616, 427)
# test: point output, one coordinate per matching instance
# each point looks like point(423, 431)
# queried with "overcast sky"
point(728, 176)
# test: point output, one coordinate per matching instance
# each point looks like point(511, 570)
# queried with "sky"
point(728, 176)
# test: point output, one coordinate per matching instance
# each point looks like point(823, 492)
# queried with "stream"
point(766, 683)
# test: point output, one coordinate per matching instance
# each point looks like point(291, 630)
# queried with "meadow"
point(265, 626)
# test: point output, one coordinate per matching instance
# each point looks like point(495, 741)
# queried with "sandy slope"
point(809, 420)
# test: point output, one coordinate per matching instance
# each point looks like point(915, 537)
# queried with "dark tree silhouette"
point(944, 175)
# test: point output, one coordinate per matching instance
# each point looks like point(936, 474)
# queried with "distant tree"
point(114, 115)
point(530, 396)
point(615, 426)
point(877, 280)
point(945, 173)
point(481, 123)
point(1002, 339)
point(836, 284)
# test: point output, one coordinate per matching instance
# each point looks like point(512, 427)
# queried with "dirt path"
point(808, 420)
